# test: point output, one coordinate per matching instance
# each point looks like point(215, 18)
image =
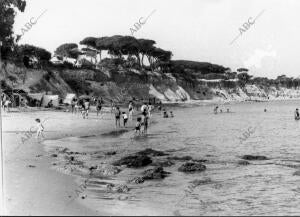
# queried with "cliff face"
point(122, 85)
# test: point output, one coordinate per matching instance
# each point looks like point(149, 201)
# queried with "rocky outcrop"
point(155, 173)
point(137, 180)
point(243, 162)
point(163, 163)
point(106, 170)
point(191, 167)
point(184, 158)
point(111, 188)
point(151, 152)
point(198, 182)
point(254, 157)
point(134, 161)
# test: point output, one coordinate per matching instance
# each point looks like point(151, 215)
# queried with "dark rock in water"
point(115, 133)
point(163, 163)
point(151, 152)
point(93, 168)
point(199, 160)
point(134, 161)
point(185, 158)
point(243, 162)
point(53, 155)
point(297, 173)
point(136, 180)
point(156, 173)
point(117, 188)
point(63, 150)
point(31, 166)
point(254, 157)
point(192, 167)
point(111, 153)
point(198, 182)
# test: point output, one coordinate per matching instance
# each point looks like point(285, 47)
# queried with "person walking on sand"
point(130, 110)
point(99, 106)
point(7, 103)
point(118, 117)
point(40, 129)
point(77, 106)
point(73, 103)
point(112, 106)
point(86, 108)
point(149, 109)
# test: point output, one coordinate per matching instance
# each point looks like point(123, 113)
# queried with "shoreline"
point(29, 163)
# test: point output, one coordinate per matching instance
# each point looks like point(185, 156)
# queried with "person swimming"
point(166, 114)
point(171, 114)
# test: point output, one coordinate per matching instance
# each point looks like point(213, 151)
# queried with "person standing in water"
point(138, 126)
point(171, 114)
point(125, 118)
point(118, 117)
point(86, 108)
point(145, 123)
point(297, 115)
point(40, 129)
point(216, 109)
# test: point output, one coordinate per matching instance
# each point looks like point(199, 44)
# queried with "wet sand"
point(31, 186)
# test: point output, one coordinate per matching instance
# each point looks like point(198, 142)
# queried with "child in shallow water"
point(125, 118)
point(40, 129)
point(138, 126)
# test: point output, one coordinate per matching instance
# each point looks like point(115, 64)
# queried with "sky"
point(197, 30)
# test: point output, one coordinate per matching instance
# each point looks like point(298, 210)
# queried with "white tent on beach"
point(68, 99)
point(47, 98)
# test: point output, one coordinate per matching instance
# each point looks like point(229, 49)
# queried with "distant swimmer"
point(297, 115)
point(166, 114)
point(265, 110)
point(171, 114)
point(228, 110)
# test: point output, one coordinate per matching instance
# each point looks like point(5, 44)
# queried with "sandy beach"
point(31, 187)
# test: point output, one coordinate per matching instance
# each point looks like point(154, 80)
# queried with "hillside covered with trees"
point(123, 67)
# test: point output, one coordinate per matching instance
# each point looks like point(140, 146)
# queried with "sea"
point(226, 187)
